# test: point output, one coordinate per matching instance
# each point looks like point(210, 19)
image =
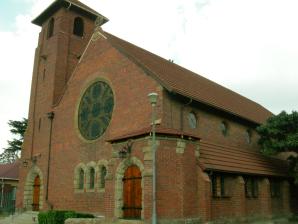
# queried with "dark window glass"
point(51, 28)
point(78, 27)
point(81, 179)
point(218, 185)
point(251, 187)
point(103, 173)
point(275, 188)
point(92, 178)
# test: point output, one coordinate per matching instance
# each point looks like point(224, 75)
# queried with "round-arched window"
point(192, 120)
point(248, 136)
point(224, 128)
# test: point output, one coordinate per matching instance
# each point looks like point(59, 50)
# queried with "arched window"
point(92, 178)
point(78, 27)
point(224, 128)
point(192, 120)
point(81, 179)
point(248, 136)
point(51, 28)
point(103, 173)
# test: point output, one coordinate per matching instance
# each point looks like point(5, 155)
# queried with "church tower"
point(66, 29)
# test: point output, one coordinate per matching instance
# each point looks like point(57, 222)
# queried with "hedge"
point(58, 217)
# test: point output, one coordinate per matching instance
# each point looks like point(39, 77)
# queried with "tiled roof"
point(148, 131)
point(83, 6)
point(182, 81)
point(9, 171)
point(234, 160)
point(70, 4)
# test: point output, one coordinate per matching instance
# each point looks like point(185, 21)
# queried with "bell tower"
point(67, 26)
point(66, 29)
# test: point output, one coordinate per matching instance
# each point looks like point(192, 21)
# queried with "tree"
point(280, 134)
point(11, 153)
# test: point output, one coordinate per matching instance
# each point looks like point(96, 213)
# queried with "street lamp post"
point(153, 100)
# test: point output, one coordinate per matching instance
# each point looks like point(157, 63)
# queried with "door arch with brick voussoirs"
point(132, 193)
point(33, 191)
point(120, 188)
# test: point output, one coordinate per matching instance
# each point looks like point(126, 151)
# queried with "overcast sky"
point(249, 46)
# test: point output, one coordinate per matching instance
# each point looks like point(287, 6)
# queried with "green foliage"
point(58, 217)
point(280, 134)
point(70, 214)
point(294, 218)
point(42, 218)
point(10, 153)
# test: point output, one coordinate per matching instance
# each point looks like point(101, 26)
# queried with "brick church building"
point(88, 146)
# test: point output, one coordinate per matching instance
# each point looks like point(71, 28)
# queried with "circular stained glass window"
point(95, 110)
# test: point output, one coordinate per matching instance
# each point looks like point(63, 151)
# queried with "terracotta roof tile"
point(182, 81)
point(83, 6)
point(10, 170)
point(147, 131)
point(72, 4)
point(230, 159)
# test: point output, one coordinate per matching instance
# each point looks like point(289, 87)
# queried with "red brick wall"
point(208, 123)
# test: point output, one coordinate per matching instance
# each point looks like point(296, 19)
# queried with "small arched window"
point(224, 128)
point(248, 136)
point(92, 178)
point(78, 26)
point(103, 173)
point(51, 28)
point(192, 120)
point(81, 179)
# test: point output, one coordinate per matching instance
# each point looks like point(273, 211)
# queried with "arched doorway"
point(36, 193)
point(132, 193)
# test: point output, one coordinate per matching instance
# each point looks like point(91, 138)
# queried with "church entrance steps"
point(29, 217)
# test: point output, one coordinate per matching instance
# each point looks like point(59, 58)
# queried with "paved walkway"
point(21, 218)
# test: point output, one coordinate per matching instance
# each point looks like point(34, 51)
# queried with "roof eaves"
point(58, 3)
point(88, 10)
point(245, 173)
point(214, 106)
point(37, 18)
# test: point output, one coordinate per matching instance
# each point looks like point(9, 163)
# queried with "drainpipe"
point(51, 116)
point(153, 101)
point(2, 192)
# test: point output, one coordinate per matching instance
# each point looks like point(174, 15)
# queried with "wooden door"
point(132, 193)
point(36, 191)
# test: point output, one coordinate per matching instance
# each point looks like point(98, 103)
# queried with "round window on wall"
point(192, 120)
point(95, 110)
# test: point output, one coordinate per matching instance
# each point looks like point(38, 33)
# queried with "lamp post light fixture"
point(153, 101)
